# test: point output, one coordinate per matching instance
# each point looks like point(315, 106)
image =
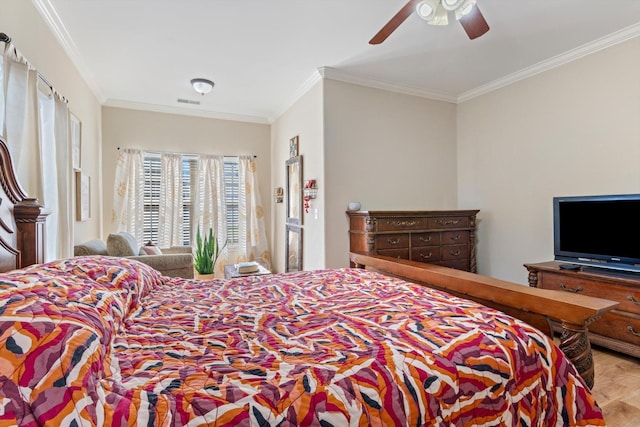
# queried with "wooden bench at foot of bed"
point(532, 305)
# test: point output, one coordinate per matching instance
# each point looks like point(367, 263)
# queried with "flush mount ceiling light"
point(202, 86)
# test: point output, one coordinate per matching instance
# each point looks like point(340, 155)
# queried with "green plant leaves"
point(207, 252)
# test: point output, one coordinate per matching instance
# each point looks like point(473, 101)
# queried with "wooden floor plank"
point(617, 387)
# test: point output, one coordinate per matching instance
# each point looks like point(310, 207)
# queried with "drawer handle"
point(454, 253)
point(633, 300)
point(393, 241)
point(630, 329)
point(423, 256)
point(568, 289)
point(425, 239)
point(456, 237)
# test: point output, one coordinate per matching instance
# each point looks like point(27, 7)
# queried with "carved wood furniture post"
point(574, 342)
point(473, 262)
point(30, 221)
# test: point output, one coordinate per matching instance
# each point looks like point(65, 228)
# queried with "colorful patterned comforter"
point(106, 341)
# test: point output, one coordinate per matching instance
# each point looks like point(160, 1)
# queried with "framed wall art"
point(293, 147)
point(83, 196)
point(75, 129)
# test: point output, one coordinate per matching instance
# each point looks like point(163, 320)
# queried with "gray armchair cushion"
point(177, 250)
point(92, 247)
point(122, 244)
point(172, 265)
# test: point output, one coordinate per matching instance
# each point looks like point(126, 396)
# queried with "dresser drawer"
point(389, 241)
point(449, 222)
point(426, 254)
point(455, 237)
point(401, 224)
point(453, 252)
point(425, 239)
point(395, 253)
point(629, 298)
point(617, 325)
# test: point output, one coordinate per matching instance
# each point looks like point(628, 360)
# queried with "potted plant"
point(207, 253)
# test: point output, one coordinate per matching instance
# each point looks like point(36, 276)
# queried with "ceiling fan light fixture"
point(432, 12)
point(202, 86)
point(440, 17)
point(451, 4)
point(425, 10)
point(465, 8)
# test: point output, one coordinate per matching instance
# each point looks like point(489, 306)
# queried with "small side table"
point(231, 272)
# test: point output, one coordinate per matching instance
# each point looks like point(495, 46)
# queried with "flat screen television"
point(599, 231)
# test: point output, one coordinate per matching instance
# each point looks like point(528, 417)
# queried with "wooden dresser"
point(436, 237)
point(620, 328)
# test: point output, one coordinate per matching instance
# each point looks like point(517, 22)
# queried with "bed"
point(109, 341)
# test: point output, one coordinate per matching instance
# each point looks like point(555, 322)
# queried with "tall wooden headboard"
point(22, 220)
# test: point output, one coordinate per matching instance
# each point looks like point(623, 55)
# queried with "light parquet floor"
point(617, 387)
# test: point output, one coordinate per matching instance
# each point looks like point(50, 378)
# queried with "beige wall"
point(573, 130)
point(387, 151)
point(304, 119)
point(181, 134)
point(20, 20)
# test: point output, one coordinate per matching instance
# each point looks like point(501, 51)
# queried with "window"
point(151, 198)
point(189, 171)
point(152, 172)
point(231, 185)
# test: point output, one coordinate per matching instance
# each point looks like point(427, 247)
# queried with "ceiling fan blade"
point(474, 23)
point(394, 23)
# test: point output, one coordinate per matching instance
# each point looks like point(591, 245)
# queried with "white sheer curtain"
point(20, 123)
point(57, 183)
point(210, 207)
point(252, 241)
point(170, 225)
point(128, 193)
point(35, 124)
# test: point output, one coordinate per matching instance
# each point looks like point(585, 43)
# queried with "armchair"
point(175, 261)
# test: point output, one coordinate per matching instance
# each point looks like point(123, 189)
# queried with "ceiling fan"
point(436, 12)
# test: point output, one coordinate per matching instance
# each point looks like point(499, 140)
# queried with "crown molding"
point(130, 105)
point(295, 96)
point(334, 74)
point(53, 21)
point(612, 39)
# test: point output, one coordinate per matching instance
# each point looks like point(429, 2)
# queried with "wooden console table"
point(618, 329)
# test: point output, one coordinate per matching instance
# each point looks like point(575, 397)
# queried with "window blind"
point(152, 172)
point(231, 185)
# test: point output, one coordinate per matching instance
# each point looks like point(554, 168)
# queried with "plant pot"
point(204, 276)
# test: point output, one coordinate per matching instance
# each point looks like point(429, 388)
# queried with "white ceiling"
point(263, 54)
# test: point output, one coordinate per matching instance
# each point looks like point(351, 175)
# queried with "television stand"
point(612, 273)
point(618, 329)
